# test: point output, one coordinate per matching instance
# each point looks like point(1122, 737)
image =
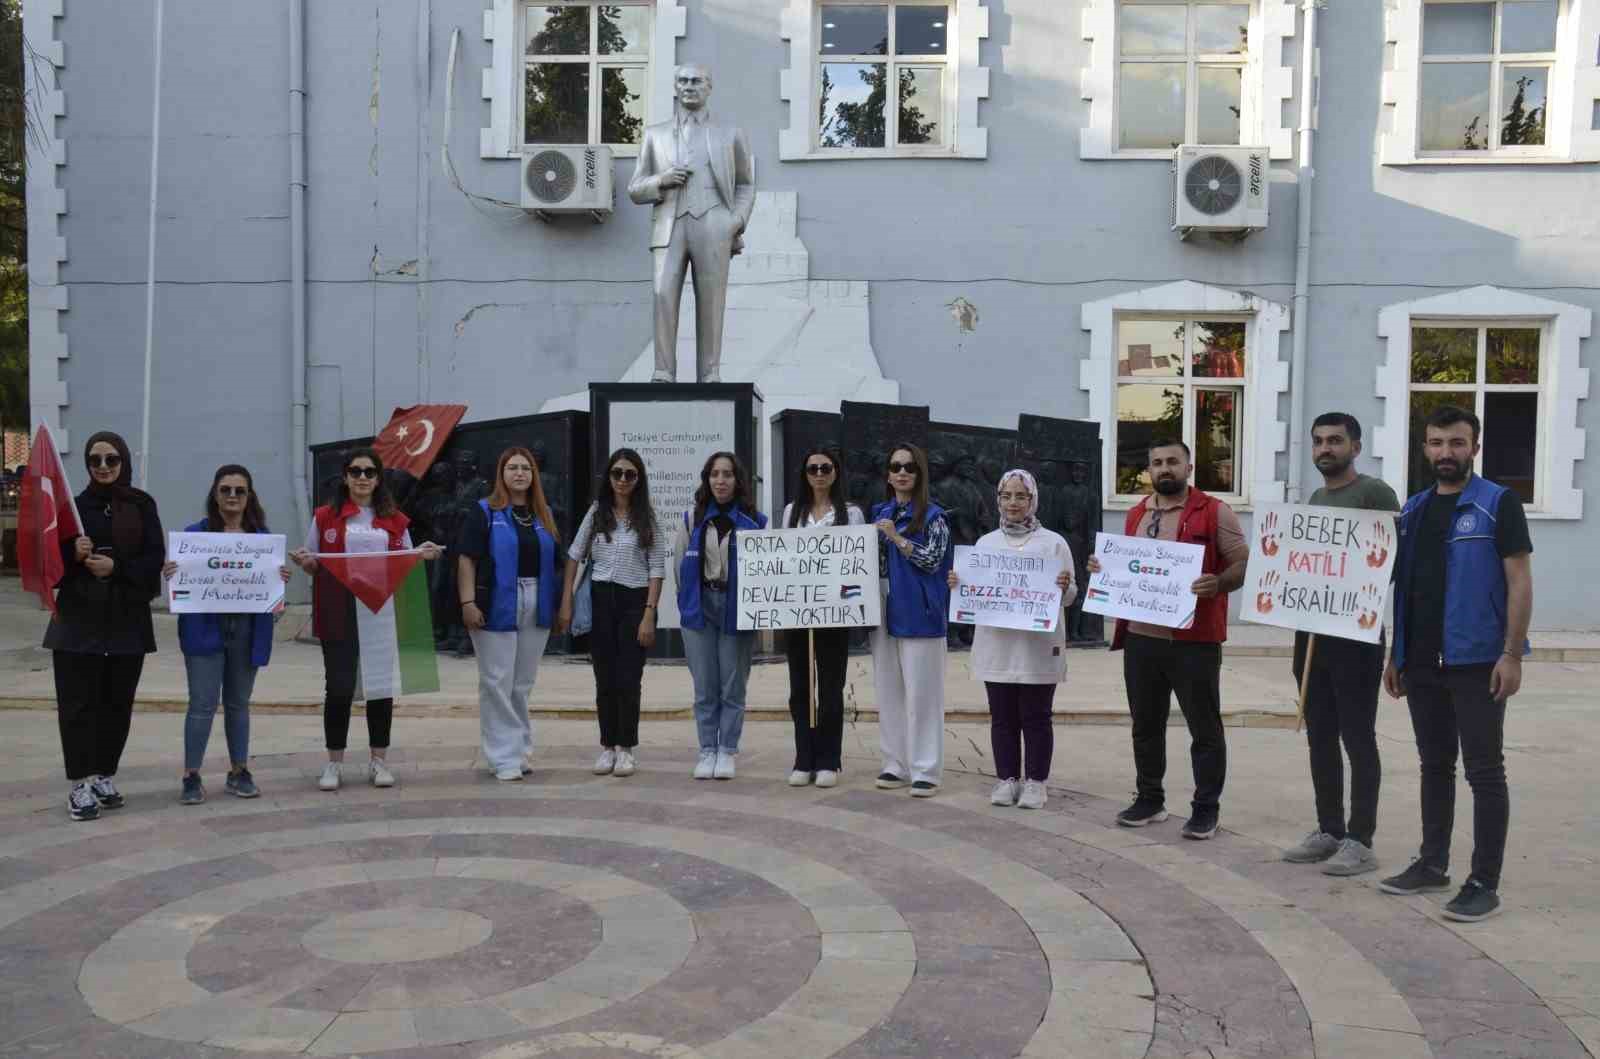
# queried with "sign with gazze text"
point(815, 578)
point(1006, 589)
point(1320, 569)
point(225, 573)
point(1145, 580)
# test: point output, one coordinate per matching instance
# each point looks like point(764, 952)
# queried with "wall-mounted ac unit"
point(567, 178)
point(1220, 189)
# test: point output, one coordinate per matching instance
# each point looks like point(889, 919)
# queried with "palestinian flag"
point(394, 621)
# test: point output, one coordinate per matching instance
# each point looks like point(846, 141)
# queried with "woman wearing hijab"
point(1020, 669)
point(102, 629)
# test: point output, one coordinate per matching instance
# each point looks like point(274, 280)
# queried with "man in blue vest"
point(1463, 598)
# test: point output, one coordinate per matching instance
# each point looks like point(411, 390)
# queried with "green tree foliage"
point(863, 124)
point(556, 95)
point(1522, 125)
point(14, 131)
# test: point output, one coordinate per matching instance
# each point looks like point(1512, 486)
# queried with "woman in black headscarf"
point(102, 629)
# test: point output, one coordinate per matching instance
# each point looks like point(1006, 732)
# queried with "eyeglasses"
point(624, 474)
point(1154, 529)
point(895, 467)
point(361, 472)
point(108, 462)
point(1016, 498)
point(818, 470)
point(233, 490)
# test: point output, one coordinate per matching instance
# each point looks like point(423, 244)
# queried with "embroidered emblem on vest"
point(1467, 523)
point(330, 535)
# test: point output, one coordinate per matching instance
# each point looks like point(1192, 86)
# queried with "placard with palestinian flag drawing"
point(1006, 589)
point(394, 620)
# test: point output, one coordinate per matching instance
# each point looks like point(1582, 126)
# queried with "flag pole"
point(72, 501)
point(1305, 682)
point(811, 642)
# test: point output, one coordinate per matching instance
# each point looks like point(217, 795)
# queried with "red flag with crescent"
point(47, 517)
point(415, 435)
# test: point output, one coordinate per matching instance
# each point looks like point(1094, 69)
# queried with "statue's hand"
point(675, 177)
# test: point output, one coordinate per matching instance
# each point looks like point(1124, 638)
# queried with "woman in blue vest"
point(221, 652)
point(509, 571)
point(908, 648)
point(717, 652)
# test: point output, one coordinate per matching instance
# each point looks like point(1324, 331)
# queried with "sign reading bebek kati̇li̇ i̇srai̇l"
point(225, 573)
point(1144, 580)
point(1007, 590)
point(808, 578)
point(1320, 569)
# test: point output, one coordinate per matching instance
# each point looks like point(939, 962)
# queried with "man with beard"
point(1342, 688)
point(1463, 599)
point(1158, 662)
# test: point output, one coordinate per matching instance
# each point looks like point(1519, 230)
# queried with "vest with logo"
point(691, 613)
point(919, 602)
point(330, 600)
point(1197, 524)
point(500, 609)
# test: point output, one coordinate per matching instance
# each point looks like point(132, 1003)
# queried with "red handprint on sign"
point(1266, 588)
point(1370, 607)
point(1270, 534)
point(1378, 549)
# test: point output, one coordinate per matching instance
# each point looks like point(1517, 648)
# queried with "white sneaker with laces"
point(798, 778)
point(705, 765)
point(1004, 793)
point(1033, 795)
point(378, 772)
point(625, 763)
point(725, 769)
point(605, 762)
point(509, 773)
point(827, 778)
point(329, 780)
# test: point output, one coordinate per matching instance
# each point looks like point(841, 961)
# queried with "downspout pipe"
point(1306, 174)
point(150, 264)
point(299, 355)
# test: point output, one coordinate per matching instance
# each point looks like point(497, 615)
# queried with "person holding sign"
point(1158, 662)
point(1021, 668)
point(908, 647)
point(222, 652)
point(509, 573)
point(1462, 603)
point(718, 653)
point(818, 751)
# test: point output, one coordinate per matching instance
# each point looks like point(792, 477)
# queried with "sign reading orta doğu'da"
point(819, 578)
point(1322, 570)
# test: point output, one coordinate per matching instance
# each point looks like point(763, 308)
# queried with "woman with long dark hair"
point(627, 555)
point(509, 574)
point(222, 652)
point(819, 494)
point(717, 652)
point(102, 628)
point(908, 648)
point(362, 518)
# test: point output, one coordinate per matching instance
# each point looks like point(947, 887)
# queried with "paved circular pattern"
point(404, 934)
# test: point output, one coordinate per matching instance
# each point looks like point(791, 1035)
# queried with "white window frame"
point(1262, 435)
point(1267, 87)
point(965, 83)
point(596, 63)
point(1563, 383)
point(1571, 94)
point(504, 26)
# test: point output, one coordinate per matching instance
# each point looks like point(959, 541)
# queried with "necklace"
point(521, 518)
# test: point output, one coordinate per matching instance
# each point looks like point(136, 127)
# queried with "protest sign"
point(1006, 589)
point(819, 578)
point(225, 573)
point(1320, 570)
point(1144, 580)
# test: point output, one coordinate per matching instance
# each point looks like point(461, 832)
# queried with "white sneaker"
point(329, 781)
point(1033, 795)
point(378, 772)
point(827, 778)
point(509, 773)
point(705, 764)
point(1004, 793)
point(799, 779)
point(625, 763)
point(605, 762)
point(527, 763)
point(725, 767)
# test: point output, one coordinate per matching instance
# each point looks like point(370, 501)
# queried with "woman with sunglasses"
point(908, 648)
point(507, 574)
point(627, 555)
point(820, 501)
point(102, 628)
point(1020, 669)
point(717, 652)
point(362, 518)
point(222, 652)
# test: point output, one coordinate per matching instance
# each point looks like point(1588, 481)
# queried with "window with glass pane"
point(1180, 76)
point(864, 48)
point(586, 66)
point(1485, 77)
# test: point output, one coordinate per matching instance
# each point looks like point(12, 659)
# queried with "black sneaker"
point(81, 803)
point(241, 784)
point(1141, 813)
point(194, 792)
point(1417, 879)
point(105, 792)
point(888, 781)
point(924, 789)
point(1475, 901)
point(1202, 824)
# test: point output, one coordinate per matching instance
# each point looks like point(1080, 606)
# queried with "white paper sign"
point(816, 578)
point(1320, 569)
point(225, 573)
point(1144, 580)
point(1006, 589)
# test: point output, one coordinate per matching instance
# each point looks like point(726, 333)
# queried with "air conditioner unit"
point(1220, 189)
point(567, 178)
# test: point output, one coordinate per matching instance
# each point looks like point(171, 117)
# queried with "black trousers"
point(1154, 670)
point(1342, 708)
point(819, 748)
point(94, 709)
point(341, 665)
point(1019, 721)
point(1454, 715)
point(618, 661)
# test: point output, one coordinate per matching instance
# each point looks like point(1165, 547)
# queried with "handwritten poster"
point(1320, 569)
point(1006, 589)
point(815, 578)
point(225, 573)
point(1144, 580)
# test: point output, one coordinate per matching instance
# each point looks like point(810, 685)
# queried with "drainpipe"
point(150, 264)
point(297, 257)
point(1302, 253)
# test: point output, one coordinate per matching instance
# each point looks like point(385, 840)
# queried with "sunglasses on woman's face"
point(624, 474)
point(361, 472)
point(233, 490)
point(819, 470)
point(897, 467)
point(109, 462)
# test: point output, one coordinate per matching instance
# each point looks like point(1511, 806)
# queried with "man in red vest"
point(1158, 661)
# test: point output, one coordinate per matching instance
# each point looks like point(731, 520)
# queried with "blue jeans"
point(720, 664)
point(229, 677)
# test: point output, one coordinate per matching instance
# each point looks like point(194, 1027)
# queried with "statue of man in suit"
point(699, 179)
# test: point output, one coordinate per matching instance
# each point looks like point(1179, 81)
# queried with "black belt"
point(715, 586)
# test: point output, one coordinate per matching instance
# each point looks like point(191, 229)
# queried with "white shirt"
point(620, 560)
point(360, 535)
point(807, 518)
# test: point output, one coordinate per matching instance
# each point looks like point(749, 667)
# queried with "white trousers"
point(909, 677)
point(508, 663)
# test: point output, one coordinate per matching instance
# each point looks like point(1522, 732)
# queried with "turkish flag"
point(415, 435)
point(47, 517)
point(371, 577)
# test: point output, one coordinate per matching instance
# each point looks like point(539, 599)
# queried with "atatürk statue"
point(700, 180)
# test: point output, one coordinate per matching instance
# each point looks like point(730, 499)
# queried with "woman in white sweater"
point(1020, 669)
